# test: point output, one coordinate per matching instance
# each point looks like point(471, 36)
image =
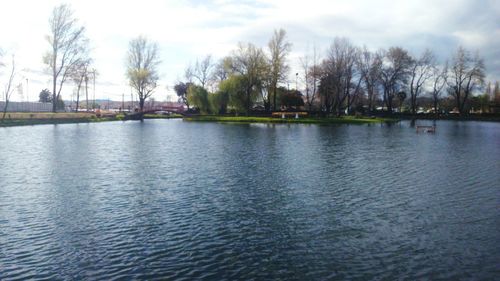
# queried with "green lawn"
point(21, 118)
point(36, 118)
point(161, 116)
point(307, 120)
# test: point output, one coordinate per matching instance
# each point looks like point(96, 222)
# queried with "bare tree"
point(279, 48)
point(9, 86)
point(315, 75)
point(250, 62)
point(369, 64)
point(221, 71)
point(394, 73)
point(420, 72)
point(353, 78)
point(466, 75)
point(67, 42)
point(340, 67)
point(202, 70)
point(142, 63)
point(311, 71)
point(94, 74)
point(327, 88)
point(305, 64)
point(189, 74)
point(439, 77)
point(79, 75)
point(331, 79)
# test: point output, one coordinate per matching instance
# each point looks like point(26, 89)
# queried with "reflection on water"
point(167, 199)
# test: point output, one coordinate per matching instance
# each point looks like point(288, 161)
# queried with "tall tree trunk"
point(458, 103)
point(461, 108)
point(5, 108)
point(249, 91)
point(87, 92)
point(413, 106)
point(274, 96)
point(412, 96)
point(141, 103)
point(370, 101)
point(78, 95)
point(338, 106)
point(464, 100)
point(267, 102)
point(389, 104)
point(435, 107)
point(54, 93)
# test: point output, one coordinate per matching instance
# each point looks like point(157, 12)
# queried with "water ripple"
point(183, 201)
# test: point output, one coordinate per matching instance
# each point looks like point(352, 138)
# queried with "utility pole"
point(27, 91)
point(87, 92)
point(93, 104)
point(123, 101)
point(296, 81)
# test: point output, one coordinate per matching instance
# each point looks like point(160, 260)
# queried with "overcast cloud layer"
point(187, 30)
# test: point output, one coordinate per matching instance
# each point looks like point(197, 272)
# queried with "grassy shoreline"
point(162, 116)
point(28, 119)
point(42, 118)
point(48, 118)
point(307, 120)
point(30, 122)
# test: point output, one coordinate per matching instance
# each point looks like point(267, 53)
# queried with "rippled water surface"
point(167, 199)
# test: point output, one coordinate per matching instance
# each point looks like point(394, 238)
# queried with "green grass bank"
point(307, 120)
point(26, 118)
point(40, 118)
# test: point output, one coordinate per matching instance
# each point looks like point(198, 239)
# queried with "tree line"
point(343, 80)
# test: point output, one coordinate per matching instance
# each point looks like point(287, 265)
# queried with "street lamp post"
point(27, 91)
point(93, 103)
point(296, 81)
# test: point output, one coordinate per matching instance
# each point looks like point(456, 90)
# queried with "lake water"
point(168, 199)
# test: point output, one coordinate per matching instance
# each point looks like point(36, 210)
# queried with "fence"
point(15, 106)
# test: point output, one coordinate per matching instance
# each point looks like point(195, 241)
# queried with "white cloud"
point(187, 30)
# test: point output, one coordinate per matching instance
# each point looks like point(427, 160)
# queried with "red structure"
point(173, 107)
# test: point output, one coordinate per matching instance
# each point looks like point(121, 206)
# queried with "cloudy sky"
point(190, 29)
